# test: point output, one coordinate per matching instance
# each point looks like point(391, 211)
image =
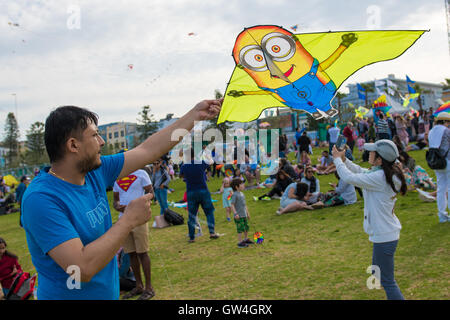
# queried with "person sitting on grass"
point(343, 193)
point(313, 184)
point(281, 183)
point(253, 174)
point(287, 168)
point(299, 170)
point(240, 212)
point(238, 174)
point(422, 142)
point(294, 198)
point(415, 175)
point(305, 159)
point(326, 165)
point(9, 267)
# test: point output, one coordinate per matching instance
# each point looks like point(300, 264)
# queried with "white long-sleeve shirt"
point(380, 222)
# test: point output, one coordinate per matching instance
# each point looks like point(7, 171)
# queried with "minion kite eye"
point(252, 57)
point(279, 46)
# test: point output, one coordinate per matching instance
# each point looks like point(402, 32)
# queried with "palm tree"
point(421, 91)
point(369, 87)
point(340, 96)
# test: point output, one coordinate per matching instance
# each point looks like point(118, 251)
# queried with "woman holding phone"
point(380, 186)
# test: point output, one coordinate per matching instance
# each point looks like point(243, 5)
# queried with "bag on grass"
point(173, 217)
point(22, 287)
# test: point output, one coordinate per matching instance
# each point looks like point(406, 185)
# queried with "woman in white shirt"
point(380, 186)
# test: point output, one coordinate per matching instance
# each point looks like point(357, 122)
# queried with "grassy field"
point(321, 254)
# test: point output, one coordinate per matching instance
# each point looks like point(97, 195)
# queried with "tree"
point(11, 139)
point(147, 125)
point(421, 91)
point(36, 144)
point(446, 84)
point(340, 96)
point(369, 87)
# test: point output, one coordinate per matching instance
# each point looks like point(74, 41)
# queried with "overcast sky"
point(77, 52)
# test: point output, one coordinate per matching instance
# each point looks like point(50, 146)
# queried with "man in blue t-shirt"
point(194, 175)
point(65, 209)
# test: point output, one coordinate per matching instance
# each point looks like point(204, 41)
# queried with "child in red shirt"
point(9, 267)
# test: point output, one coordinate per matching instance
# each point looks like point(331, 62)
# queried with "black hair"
point(301, 190)
point(62, 124)
point(8, 253)
point(235, 183)
point(390, 169)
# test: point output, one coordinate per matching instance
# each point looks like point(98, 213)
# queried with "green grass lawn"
point(321, 254)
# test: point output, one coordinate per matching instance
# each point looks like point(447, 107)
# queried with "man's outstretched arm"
point(161, 142)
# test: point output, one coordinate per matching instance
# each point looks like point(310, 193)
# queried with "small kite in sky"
point(191, 34)
point(276, 68)
point(294, 27)
point(130, 66)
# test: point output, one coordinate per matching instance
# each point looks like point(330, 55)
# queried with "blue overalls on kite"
point(301, 93)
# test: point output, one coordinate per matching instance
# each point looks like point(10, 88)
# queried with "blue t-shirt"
point(19, 192)
point(194, 175)
point(55, 211)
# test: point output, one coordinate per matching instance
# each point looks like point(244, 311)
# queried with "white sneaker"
point(425, 196)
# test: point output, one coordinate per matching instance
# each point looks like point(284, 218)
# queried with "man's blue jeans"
point(196, 198)
point(161, 197)
point(383, 257)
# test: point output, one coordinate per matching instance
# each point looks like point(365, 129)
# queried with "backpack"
point(435, 159)
point(173, 217)
point(22, 287)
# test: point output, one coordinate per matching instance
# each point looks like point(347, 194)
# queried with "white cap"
point(385, 148)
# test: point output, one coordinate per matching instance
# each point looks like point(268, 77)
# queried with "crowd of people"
point(56, 241)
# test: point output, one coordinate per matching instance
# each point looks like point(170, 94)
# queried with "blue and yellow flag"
point(276, 68)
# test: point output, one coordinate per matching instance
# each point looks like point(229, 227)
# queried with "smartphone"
point(340, 143)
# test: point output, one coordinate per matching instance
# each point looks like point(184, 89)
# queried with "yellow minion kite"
point(276, 68)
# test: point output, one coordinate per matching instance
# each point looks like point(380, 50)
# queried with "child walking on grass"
point(240, 212)
point(227, 192)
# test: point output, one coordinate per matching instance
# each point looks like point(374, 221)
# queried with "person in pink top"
point(9, 267)
point(400, 125)
point(348, 134)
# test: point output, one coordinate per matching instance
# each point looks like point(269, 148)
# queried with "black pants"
point(277, 190)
